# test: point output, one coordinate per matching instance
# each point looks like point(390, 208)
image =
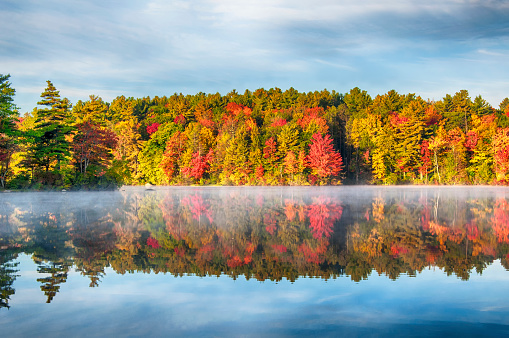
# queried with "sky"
point(153, 48)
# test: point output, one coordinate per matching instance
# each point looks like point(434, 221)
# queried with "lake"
point(256, 261)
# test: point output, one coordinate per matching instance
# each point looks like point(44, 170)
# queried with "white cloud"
point(159, 47)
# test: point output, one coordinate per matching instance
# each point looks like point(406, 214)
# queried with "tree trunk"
point(357, 166)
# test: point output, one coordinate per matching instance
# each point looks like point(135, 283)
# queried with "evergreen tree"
point(51, 284)
point(357, 102)
point(8, 110)
point(8, 114)
point(8, 269)
point(94, 111)
point(50, 146)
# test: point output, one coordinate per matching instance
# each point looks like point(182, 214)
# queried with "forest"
point(265, 137)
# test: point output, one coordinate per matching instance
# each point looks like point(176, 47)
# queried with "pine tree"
point(94, 111)
point(8, 114)
point(8, 111)
point(50, 145)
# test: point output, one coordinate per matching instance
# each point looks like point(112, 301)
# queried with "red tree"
point(278, 122)
point(431, 116)
point(259, 172)
point(323, 160)
point(198, 165)
point(152, 242)
point(235, 109)
point(471, 141)
point(396, 119)
point(500, 220)
point(314, 116)
point(291, 164)
point(152, 128)
point(270, 149)
point(174, 149)
point(92, 144)
point(180, 119)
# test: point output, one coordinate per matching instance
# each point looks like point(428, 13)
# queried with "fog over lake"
point(251, 261)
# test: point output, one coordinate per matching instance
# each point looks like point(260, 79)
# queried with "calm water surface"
point(182, 261)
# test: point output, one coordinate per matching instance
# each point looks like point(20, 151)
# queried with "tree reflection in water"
point(263, 234)
point(7, 277)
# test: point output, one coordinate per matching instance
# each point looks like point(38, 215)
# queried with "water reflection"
point(257, 233)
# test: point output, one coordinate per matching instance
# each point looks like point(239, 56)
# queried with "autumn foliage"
point(322, 159)
point(92, 145)
point(265, 137)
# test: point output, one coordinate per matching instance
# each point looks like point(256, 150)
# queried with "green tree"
point(386, 104)
point(121, 109)
point(50, 145)
point(93, 111)
point(8, 269)
point(457, 109)
point(8, 115)
point(481, 107)
point(58, 275)
point(357, 102)
point(8, 110)
point(151, 155)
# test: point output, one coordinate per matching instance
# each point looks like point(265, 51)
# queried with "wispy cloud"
point(160, 47)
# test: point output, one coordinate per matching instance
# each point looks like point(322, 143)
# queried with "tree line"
point(265, 137)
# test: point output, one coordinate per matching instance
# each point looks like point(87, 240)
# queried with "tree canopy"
point(265, 137)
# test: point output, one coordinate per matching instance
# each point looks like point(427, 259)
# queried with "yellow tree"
point(291, 166)
point(288, 139)
point(121, 109)
point(479, 144)
point(236, 164)
point(501, 154)
point(171, 160)
point(455, 162)
point(437, 145)
point(359, 137)
point(94, 111)
point(382, 161)
point(407, 133)
point(128, 147)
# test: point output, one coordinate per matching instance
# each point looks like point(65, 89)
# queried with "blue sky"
point(148, 48)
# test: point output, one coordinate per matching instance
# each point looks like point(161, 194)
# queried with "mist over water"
point(367, 249)
point(350, 195)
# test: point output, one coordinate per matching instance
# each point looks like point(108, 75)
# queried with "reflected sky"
point(149, 304)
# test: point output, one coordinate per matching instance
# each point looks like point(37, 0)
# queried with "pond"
point(239, 261)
